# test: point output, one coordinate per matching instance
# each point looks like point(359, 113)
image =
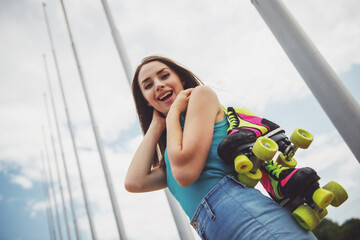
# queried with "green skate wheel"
point(250, 179)
point(340, 194)
point(283, 162)
point(323, 212)
point(322, 197)
point(265, 148)
point(306, 217)
point(242, 164)
point(301, 138)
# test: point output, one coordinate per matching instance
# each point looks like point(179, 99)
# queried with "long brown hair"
point(144, 111)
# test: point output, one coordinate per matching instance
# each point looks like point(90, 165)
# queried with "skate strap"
point(273, 132)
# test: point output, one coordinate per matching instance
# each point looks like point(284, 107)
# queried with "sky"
point(226, 44)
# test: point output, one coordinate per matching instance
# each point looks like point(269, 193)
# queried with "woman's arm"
point(140, 177)
point(188, 149)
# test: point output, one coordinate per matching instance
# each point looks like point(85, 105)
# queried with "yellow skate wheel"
point(265, 148)
point(242, 164)
point(283, 162)
point(322, 197)
point(301, 138)
point(323, 212)
point(250, 179)
point(340, 194)
point(306, 217)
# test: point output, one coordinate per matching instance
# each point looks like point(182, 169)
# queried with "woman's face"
point(159, 85)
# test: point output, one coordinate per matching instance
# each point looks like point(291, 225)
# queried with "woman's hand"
point(181, 102)
point(188, 149)
point(158, 121)
point(141, 177)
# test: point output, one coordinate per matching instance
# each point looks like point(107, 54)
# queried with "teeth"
point(164, 96)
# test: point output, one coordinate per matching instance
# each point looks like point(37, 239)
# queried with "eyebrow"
point(160, 71)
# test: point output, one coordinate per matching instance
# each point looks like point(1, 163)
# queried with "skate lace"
point(233, 119)
point(275, 169)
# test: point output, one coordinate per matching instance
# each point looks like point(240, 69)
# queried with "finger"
point(187, 91)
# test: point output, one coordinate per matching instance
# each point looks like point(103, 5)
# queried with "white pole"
point(58, 171)
point(116, 210)
point(118, 42)
point(49, 212)
point(52, 185)
point(62, 151)
point(340, 106)
point(180, 218)
point(69, 122)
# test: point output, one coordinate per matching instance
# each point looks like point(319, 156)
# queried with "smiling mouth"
point(166, 96)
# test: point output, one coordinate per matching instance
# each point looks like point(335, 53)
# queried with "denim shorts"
point(233, 211)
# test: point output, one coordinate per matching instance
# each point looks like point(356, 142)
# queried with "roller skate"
point(252, 143)
point(300, 138)
point(298, 190)
point(245, 147)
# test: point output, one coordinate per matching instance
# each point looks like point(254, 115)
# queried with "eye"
point(147, 86)
point(165, 76)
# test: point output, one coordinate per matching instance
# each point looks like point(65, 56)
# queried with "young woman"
point(184, 121)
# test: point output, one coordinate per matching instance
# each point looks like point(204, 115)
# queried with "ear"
point(183, 83)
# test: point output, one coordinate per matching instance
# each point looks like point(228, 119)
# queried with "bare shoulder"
point(203, 91)
point(209, 99)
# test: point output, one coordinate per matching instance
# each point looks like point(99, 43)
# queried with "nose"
point(159, 85)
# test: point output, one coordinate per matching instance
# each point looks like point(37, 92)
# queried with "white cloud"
point(226, 44)
point(36, 207)
point(22, 181)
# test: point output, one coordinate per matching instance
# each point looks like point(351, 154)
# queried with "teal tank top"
point(215, 169)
